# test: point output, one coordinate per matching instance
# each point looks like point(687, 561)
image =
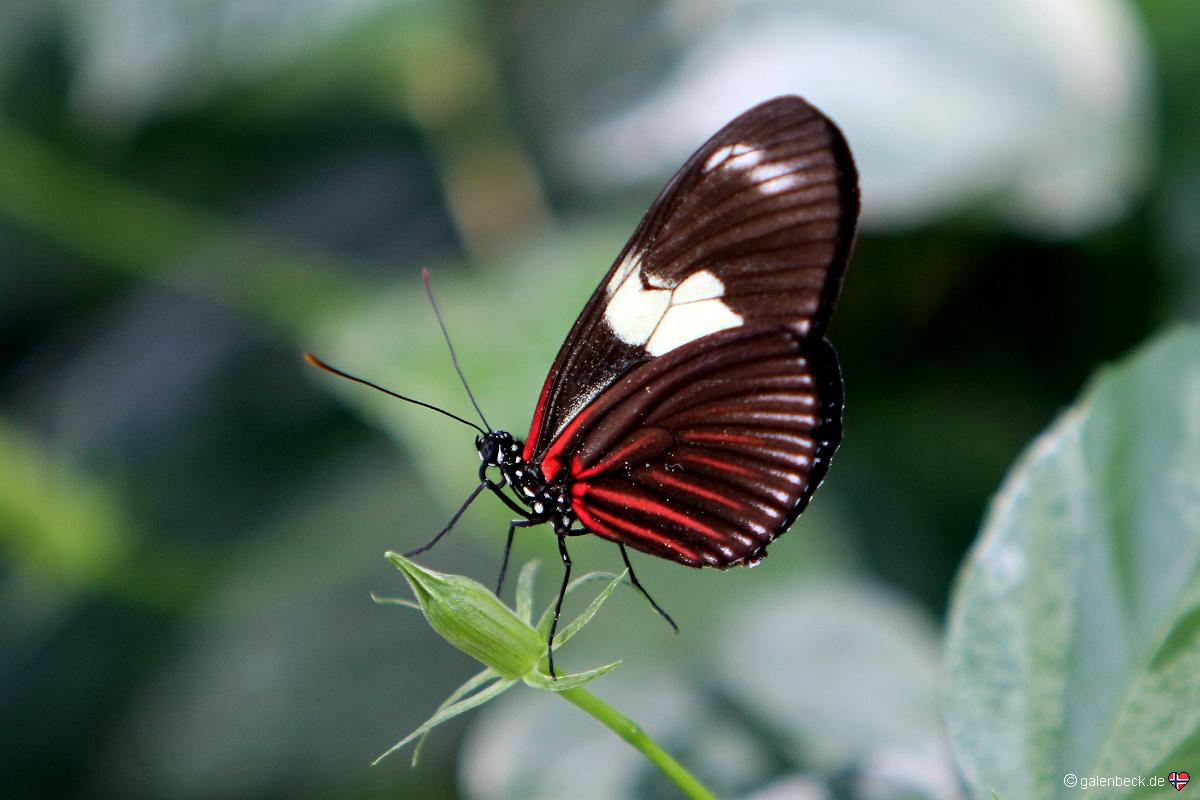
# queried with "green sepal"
point(471, 618)
point(449, 712)
point(540, 680)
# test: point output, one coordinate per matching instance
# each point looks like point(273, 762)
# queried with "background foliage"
point(191, 520)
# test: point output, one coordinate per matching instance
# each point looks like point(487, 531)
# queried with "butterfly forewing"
point(755, 229)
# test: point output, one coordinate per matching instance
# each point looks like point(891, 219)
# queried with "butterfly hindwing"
point(706, 455)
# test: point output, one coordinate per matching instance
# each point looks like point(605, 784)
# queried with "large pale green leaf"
point(1074, 640)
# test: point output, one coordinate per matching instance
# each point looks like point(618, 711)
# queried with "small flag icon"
point(1179, 780)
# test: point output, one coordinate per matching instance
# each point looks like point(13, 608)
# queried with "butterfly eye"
point(488, 449)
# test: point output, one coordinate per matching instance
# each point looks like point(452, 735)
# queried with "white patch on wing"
point(633, 311)
point(722, 154)
point(687, 323)
point(632, 261)
point(776, 177)
point(662, 319)
point(661, 281)
point(701, 285)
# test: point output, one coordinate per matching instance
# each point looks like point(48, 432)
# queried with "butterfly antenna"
point(319, 364)
point(437, 312)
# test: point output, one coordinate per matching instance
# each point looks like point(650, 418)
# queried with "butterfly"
point(696, 403)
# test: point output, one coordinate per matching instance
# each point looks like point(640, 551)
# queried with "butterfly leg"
point(449, 524)
point(562, 592)
point(638, 584)
point(498, 490)
point(512, 527)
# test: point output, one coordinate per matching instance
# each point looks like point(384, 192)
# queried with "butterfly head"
point(497, 449)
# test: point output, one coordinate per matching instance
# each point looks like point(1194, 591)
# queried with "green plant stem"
point(628, 730)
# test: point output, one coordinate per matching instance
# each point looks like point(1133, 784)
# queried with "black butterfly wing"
point(754, 229)
point(705, 455)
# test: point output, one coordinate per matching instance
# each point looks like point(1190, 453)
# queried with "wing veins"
point(689, 254)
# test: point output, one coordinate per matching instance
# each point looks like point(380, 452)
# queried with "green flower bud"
point(470, 617)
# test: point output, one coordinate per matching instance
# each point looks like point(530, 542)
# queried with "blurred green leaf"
point(151, 236)
point(1040, 112)
point(1073, 644)
point(507, 317)
point(65, 525)
point(506, 755)
point(801, 685)
point(859, 689)
point(141, 58)
point(280, 665)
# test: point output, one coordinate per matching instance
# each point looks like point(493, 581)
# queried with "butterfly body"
point(544, 503)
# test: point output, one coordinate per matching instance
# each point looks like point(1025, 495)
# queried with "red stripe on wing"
point(757, 438)
point(643, 445)
point(692, 488)
point(642, 538)
point(552, 462)
point(539, 418)
point(721, 464)
point(580, 491)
